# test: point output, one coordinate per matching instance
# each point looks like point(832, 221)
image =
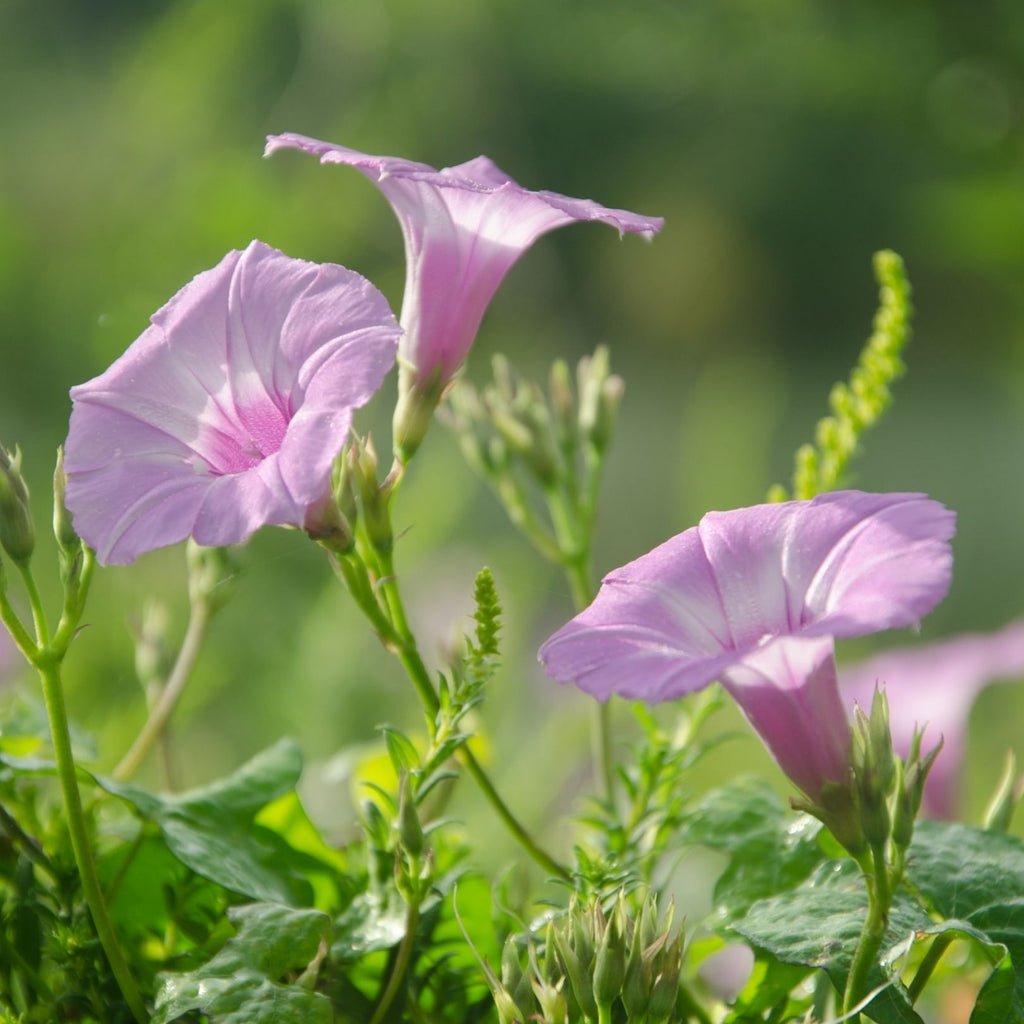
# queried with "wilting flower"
point(464, 228)
point(753, 597)
point(935, 685)
point(227, 412)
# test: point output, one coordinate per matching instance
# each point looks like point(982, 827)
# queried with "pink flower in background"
point(228, 411)
point(464, 227)
point(753, 597)
point(936, 685)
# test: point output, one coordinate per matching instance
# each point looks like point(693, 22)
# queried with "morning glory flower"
point(935, 685)
point(227, 412)
point(754, 597)
point(464, 228)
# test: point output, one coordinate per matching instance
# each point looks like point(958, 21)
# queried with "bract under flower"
point(226, 414)
point(935, 685)
point(464, 228)
point(714, 601)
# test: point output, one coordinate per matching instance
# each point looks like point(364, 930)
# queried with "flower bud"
point(410, 830)
point(17, 532)
point(212, 574)
point(610, 961)
point(1006, 797)
point(374, 497)
point(63, 529)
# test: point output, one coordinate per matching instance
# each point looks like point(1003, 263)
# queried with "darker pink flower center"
point(240, 446)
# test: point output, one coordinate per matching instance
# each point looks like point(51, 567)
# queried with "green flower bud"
point(1006, 797)
point(410, 830)
point(610, 961)
point(375, 498)
point(665, 991)
point(63, 529)
point(17, 532)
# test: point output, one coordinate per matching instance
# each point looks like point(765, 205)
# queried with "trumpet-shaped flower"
point(753, 597)
point(464, 227)
point(935, 685)
point(227, 412)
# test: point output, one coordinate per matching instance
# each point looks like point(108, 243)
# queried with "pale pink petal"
point(844, 564)
point(228, 411)
point(935, 685)
point(753, 597)
point(464, 227)
point(788, 690)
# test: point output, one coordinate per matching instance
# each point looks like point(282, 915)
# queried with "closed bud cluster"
point(596, 965)
point(374, 497)
point(910, 789)
point(331, 520)
point(17, 533)
point(212, 574)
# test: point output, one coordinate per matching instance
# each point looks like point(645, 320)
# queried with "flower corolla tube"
point(464, 228)
point(754, 597)
point(227, 412)
point(934, 686)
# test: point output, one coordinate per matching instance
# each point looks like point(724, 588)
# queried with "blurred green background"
point(782, 140)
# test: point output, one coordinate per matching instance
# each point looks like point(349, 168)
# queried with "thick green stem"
point(48, 666)
point(872, 934)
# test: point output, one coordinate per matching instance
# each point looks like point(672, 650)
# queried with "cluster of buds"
point(592, 966)
point(875, 812)
point(357, 495)
point(17, 532)
point(513, 420)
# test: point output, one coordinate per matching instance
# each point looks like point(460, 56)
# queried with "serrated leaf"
point(241, 983)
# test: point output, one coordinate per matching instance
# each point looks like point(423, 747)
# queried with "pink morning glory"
point(464, 227)
point(227, 412)
point(754, 597)
point(935, 685)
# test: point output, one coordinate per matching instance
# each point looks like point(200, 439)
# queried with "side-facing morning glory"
point(753, 597)
point(934, 686)
point(227, 412)
point(464, 228)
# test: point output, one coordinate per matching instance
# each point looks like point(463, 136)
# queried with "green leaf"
point(770, 850)
point(976, 875)
point(404, 756)
point(242, 983)
point(960, 868)
point(819, 924)
point(212, 829)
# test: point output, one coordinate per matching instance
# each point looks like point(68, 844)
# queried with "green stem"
point(170, 695)
point(927, 966)
point(399, 639)
point(36, 603)
point(48, 666)
point(872, 934)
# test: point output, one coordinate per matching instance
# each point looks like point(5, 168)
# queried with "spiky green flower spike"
point(859, 404)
